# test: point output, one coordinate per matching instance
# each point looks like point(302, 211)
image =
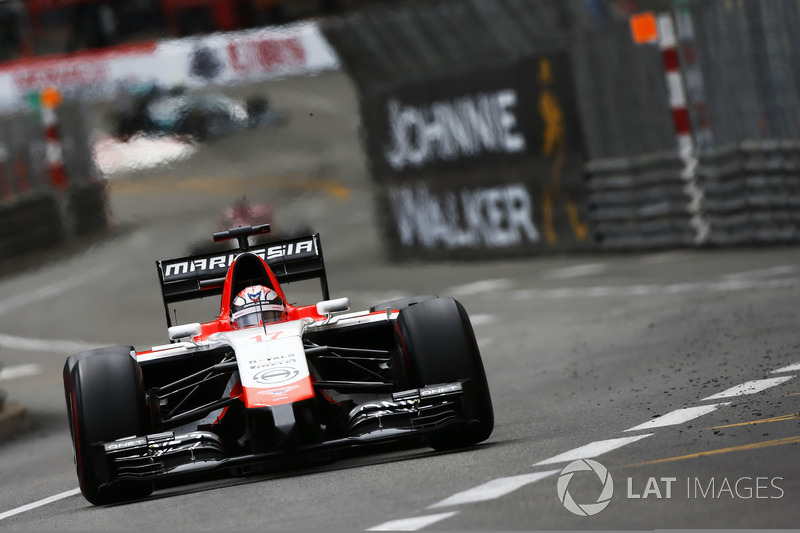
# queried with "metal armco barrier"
point(88, 208)
point(29, 224)
point(752, 192)
point(640, 203)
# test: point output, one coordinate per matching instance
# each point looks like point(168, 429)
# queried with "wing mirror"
point(184, 330)
point(331, 306)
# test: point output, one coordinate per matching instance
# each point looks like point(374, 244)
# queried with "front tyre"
point(439, 345)
point(105, 402)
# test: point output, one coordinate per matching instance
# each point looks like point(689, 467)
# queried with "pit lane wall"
point(518, 127)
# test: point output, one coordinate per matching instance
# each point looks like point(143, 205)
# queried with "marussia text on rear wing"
point(199, 276)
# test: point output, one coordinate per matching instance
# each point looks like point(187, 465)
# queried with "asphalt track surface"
point(672, 370)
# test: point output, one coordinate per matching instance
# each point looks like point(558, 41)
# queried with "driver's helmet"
point(255, 305)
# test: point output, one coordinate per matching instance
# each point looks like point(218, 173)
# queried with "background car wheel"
point(194, 125)
point(105, 401)
point(437, 339)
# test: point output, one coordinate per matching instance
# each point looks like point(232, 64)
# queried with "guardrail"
point(752, 192)
point(639, 203)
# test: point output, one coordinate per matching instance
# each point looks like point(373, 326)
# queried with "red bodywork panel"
point(259, 396)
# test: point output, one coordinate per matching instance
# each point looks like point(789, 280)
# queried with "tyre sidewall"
point(439, 345)
point(107, 403)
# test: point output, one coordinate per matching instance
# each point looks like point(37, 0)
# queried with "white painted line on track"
point(412, 524)
point(487, 285)
point(480, 320)
point(679, 416)
point(576, 271)
point(47, 292)
point(19, 371)
point(648, 290)
point(493, 489)
point(44, 345)
point(593, 449)
point(40, 503)
point(764, 273)
point(749, 387)
point(485, 342)
point(790, 368)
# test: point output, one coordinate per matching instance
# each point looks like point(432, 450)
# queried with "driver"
point(255, 305)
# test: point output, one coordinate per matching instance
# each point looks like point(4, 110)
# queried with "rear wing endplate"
point(199, 276)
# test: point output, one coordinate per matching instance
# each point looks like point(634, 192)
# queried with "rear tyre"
point(105, 402)
point(439, 345)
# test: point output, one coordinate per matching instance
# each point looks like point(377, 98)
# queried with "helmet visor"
point(257, 313)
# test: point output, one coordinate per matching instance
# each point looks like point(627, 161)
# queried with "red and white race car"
point(267, 380)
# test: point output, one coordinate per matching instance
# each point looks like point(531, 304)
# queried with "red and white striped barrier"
point(668, 44)
point(53, 154)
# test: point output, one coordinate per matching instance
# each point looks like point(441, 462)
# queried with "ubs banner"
point(485, 160)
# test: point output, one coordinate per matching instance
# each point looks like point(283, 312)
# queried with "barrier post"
point(668, 44)
point(50, 100)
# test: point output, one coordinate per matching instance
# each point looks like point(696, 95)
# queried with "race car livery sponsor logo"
point(389, 404)
point(283, 391)
point(445, 389)
point(274, 376)
point(452, 129)
point(208, 265)
point(122, 445)
point(267, 362)
point(386, 407)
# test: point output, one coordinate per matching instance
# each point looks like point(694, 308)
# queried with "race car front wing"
point(167, 455)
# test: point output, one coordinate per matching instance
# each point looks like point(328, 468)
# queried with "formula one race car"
point(268, 380)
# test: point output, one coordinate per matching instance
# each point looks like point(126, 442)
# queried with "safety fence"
point(624, 145)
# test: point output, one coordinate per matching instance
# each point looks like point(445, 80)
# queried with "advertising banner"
point(221, 59)
point(504, 114)
point(488, 160)
point(475, 215)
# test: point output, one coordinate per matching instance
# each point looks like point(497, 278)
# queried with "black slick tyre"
point(105, 402)
point(439, 345)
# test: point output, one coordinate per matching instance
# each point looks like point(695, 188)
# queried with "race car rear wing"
point(199, 276)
